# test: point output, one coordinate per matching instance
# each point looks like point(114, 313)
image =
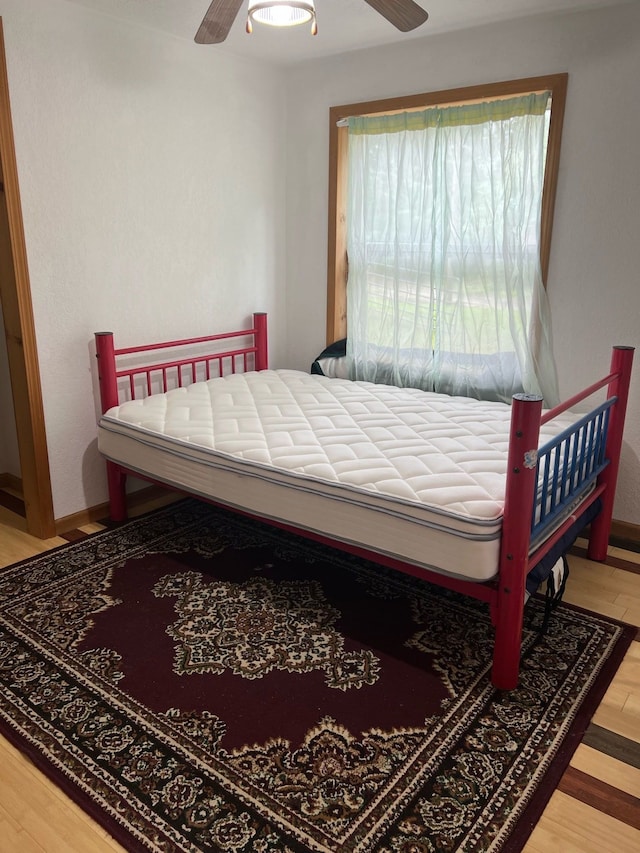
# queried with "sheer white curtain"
point(445, 289)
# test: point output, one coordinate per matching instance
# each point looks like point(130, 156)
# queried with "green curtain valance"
point(456, 116)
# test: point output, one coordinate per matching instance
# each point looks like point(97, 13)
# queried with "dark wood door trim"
point(15, 294)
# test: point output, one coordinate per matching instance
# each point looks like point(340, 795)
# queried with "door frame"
point(15, 296)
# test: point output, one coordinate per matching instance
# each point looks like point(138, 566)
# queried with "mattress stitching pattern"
point(406, 445)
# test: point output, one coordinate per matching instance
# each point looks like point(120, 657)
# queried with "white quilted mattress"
point(405, 473)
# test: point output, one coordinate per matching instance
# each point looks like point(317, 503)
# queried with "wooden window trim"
point(338, 149)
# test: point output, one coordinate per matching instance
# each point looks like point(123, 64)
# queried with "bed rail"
point(159, 376)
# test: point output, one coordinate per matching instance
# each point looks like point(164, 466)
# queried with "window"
point(446, 207)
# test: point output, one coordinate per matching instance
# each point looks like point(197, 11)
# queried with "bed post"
point(105, 354)
point(116, 483)
point(621, 361)
point(108, 382)
point(526, 410)
point(262, 351)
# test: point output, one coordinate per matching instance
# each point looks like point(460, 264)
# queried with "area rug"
point(198, 681)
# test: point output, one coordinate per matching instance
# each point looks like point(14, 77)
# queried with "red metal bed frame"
point(590, 452)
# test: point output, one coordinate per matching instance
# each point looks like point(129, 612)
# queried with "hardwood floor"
point(595, 808)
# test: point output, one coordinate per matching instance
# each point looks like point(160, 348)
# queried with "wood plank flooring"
point(595, 808)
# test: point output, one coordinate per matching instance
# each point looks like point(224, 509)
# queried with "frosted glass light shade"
point(282, 13)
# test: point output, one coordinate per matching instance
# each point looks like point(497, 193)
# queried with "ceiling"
point(343, 25)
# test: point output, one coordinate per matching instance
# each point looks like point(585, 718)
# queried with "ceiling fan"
point(405, 15)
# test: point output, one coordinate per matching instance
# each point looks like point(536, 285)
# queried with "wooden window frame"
point(338, 153)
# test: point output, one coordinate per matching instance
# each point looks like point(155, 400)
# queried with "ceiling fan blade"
point(405, 15)
point(217, 21)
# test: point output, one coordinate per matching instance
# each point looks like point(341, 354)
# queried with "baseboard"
point(626, 532)
point(10, 481)
point(100, 512)
point(623, 534)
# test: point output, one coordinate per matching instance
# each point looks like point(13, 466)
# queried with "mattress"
point(406, 473)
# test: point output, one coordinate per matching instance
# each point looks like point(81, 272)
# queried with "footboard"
point(548, 489)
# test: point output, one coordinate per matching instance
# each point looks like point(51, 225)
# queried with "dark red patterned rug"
point(201, 682)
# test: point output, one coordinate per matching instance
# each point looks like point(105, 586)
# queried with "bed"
point(466, 494)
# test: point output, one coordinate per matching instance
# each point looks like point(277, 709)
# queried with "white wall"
point(594, 278)
point(151, 176)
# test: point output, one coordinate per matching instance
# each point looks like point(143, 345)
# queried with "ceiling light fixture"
point(282, 13)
